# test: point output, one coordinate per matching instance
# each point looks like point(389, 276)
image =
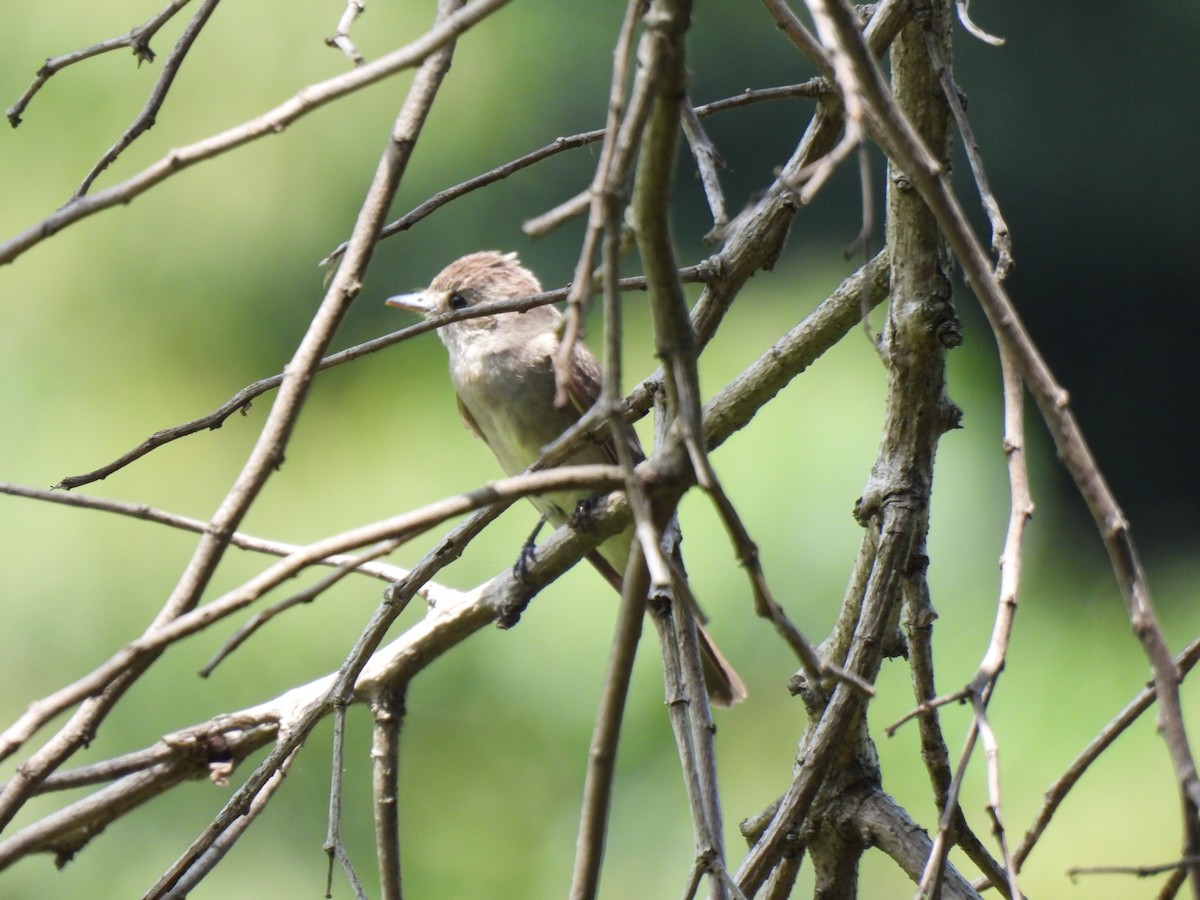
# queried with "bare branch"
point(815, 87)
point(965, 18)
point(268, 450)
point(242, 400)
point(157, 638)
point(138, 39)
point(708, 161)
point(269, 123)
point(146, 118)
point(238, 539)
point(341, 38)
point(388, 710)
point(334, 846)
point(602, 752)
point(1057, 792)
point(1001, 238)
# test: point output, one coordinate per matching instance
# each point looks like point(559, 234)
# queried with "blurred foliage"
point(149, 315)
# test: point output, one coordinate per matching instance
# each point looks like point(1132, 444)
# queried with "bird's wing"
point(468, 419)
point(585, 380)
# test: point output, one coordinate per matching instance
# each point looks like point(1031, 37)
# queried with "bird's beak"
point(417, 303)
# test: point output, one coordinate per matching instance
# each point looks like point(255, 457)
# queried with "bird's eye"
point(457, 300)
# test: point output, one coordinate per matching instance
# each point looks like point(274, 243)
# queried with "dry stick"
point(494, 495)
point(898, 528)
point(906, 147)
point(138, 39)
point(934, 753)
point(341, 38)
point(598, 782)
point(980, 688)
point(345, 285)
point(1139, 871)
point(224, 843)
point(965, 18)
point(708, 161)
point(597, 788)
point(662, 56)
point(209, 751)
point(388, 710)
point(146, 118)
point(420, 645)
point(294, 714)
point(258, 620)
point(621, 130)
point(1057, 792)
point(1001, 238)
point(1173, 885)
point(814, 87)
point(802, 39)
point(765, 605)
point(242, 400)
point(334, 847)
point(825, 738)
point(238, 539)
point(991, 752)
point(263, 460)
point(888, 826)
point(308, 99)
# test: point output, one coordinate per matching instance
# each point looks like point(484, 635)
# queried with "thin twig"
point(1139, 871)
point(242, 400)
point(388, 710)
point(138, 38)
point(708, 161)
point(662, 77)
point(906, 148)
point(335, 848)
point(146, 118)
point(225, 841)
point(258, 620)
point(965, 18)
point(982, 684)
point(765, 604)
point(241, 540)
point(340, 39)
point(991, 753)
point(156, 639)
point(606, 194)
point(602, 752)
point(918, 620)
point(1001, 237)
point(1062, 786)
point(813, 88)
point(272, 122)
point(646, 570)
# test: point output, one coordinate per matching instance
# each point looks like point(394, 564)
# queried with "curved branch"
point(138, 39)
point(145, 120)
point(272, 122)
point(268, 450)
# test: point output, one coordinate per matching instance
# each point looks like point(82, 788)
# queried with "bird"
point(502, 369)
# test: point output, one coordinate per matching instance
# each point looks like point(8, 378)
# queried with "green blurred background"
point(152, 314)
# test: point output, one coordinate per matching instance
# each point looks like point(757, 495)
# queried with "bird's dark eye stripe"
point(457, 300)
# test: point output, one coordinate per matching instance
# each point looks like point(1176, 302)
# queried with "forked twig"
point(272, 122)
point(138, 39)
point(901, 142)
point(341, 38)
point(146, 118)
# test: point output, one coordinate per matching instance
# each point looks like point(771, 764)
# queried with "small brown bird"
point(502, 367)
